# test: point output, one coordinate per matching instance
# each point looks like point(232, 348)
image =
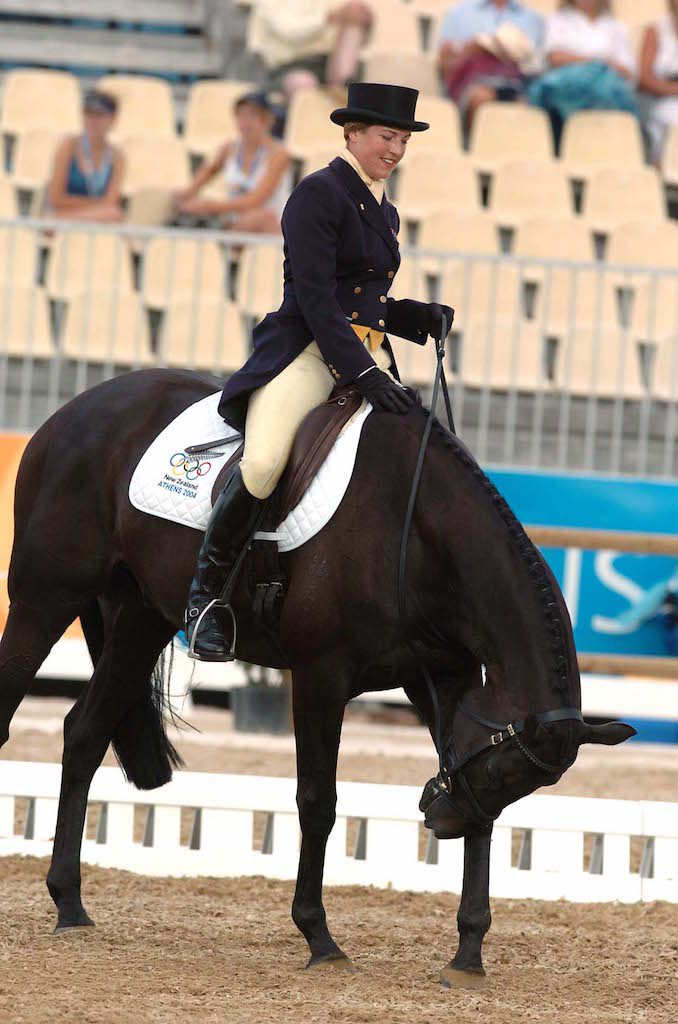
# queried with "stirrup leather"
point(216, 602)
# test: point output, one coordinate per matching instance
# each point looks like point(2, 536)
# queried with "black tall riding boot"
point(233, 522)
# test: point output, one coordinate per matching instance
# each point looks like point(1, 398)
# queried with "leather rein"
point(449, 774)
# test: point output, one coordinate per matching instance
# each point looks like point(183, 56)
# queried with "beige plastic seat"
point(454, 231)
point(207, 334)
point(150, 207)
point(415, 71)
point(84, 261)
point(647, 247)
point(503, 354)
point(555, 287)
point(48, 100)
point(259, 287)
point(634, 13)
point(410, 280)
point(24, 322)
point(8, 201)
point(444, 133)
point(600, 138)
point(176, 268)
point(554, 238)
point(155, 162)
point(145, 106)
point(104, 327)
point(644, 244)
point(33, 158)
point(308, 126)
point(611, 192)
point(569, 296)
point(502, 131)
point(670, 157)
point(427, 181)
point(209, 118)
point(416, 363)
point(664, 375)
point(599, 361)
point(529, 188)
point(478, 289)
point(314, 160)
point(18, 256)
point(395, 29)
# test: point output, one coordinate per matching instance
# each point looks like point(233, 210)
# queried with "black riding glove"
point(435, 318)
point(383, 392)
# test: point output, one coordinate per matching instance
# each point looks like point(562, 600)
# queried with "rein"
point(512, 731)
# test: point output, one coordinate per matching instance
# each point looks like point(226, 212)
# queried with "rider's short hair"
point(354, 126)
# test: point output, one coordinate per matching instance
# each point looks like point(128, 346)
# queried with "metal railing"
point(551, 363)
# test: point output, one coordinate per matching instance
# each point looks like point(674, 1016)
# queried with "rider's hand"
point(435, 318)
point(384, 394)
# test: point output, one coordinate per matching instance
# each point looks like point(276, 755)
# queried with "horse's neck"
point(501, 602)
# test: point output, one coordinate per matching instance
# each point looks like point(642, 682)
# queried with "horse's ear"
point(610, 734)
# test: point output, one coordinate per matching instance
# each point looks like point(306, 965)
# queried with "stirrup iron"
point(216, 602)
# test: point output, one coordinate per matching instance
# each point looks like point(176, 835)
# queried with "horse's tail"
point(145, 754)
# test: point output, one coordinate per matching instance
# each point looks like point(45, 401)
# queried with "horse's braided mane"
point(534, 562)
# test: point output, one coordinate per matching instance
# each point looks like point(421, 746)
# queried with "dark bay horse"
point(483, 613)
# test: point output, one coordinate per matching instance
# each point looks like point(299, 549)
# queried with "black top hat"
point(372, 103)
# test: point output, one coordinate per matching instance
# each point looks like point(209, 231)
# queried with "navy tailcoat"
point(341, 255)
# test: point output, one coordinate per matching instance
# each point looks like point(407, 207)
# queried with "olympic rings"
point(192, 468)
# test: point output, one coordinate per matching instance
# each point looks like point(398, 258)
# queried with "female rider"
point(341, 255)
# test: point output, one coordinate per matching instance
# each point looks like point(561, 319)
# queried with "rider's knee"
point(260, 475)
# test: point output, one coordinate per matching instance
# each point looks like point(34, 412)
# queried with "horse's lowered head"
point(487, 765)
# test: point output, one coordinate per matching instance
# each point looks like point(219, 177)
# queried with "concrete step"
point(191, 13)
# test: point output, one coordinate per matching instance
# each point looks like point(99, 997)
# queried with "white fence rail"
point(576, 849)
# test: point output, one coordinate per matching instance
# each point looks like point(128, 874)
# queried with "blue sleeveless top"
point(92, 181)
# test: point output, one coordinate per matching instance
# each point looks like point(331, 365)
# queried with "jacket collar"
point(373, 212)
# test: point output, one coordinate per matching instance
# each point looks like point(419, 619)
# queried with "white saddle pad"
point(173, 485)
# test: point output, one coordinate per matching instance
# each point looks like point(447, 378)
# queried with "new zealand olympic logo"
point(188, 466)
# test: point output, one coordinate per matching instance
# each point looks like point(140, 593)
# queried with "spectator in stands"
point(591, 65)
point(88, 170)
point(308, 42)
point(257, 174)
point(658, 81)
point(482, 47)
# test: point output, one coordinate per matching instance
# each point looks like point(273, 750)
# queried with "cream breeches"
point(275, 413)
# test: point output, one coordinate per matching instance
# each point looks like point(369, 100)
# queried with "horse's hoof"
point(452, 977)
point(337, 961)
point(74, 926)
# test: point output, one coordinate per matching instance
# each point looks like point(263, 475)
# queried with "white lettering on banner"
point(618, 584)
point(572, 582)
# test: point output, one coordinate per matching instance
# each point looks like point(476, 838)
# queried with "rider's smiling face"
point(378, 148)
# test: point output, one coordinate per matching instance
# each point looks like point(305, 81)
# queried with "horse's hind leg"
point(28, 637)
point(116, 705)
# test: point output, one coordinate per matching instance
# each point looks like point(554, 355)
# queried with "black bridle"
point(454, 772)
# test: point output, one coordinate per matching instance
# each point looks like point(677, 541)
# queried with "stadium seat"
point(670, 157)
point(207, 334)
point(416, 363)
point(611, 192)
point(8, 201)
point(503, 354)
point(315, 159)
point(18, 256)
point(145, 106)
point(178, 268)
point(646, 249)
point(428, 181)
point(631, 12)
point(416, 72)
point(529, 188)
point(598, 361)
point(33, 99)
point(24, 323)
point(154, 162)
point(478, 289)
point(259, 287)
point(209, 120)
point(553, 238)
point(308, 126)
point(103, 327)
point(150, 207)
point(444, 134)
point(664, 372)
point(33, 158)
point(644, 244)
point(88, 261)
point(454, 231)
point(600, 138)
point(395, 29)
point(503, 131)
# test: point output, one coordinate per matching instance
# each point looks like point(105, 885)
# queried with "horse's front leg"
point(317, 727)
point(473, 918)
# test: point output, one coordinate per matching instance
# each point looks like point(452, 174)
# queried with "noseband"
point(443, 784)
